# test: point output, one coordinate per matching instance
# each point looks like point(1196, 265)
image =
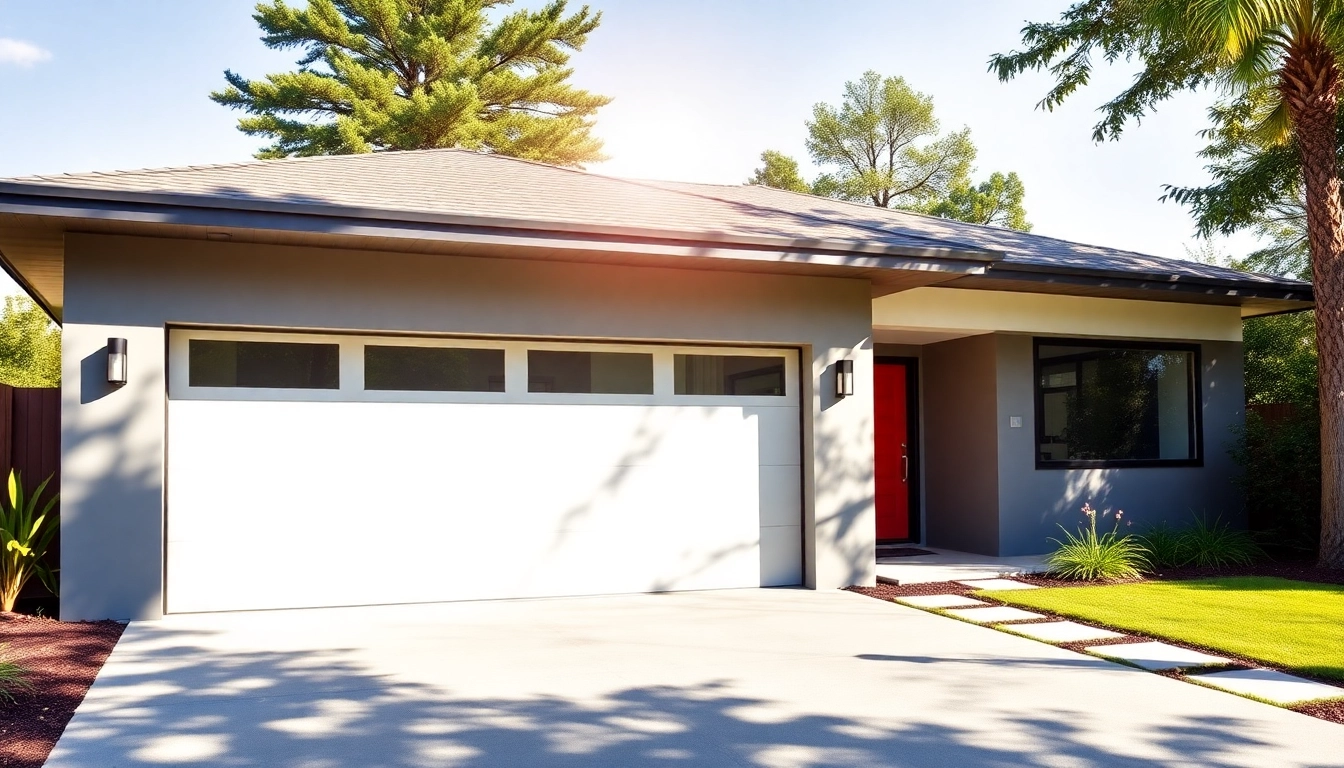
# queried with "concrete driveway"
point(786, 678)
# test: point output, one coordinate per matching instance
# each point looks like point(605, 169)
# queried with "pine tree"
point(420, 74)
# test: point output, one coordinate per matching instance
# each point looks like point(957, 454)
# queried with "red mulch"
point(1332, 710)
point(888, 591)
point(62, 659)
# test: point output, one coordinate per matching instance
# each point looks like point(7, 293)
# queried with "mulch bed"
point(62, 659)
point(889, 591)
point(1332, 710)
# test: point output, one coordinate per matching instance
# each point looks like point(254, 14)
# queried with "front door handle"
point(905, 464)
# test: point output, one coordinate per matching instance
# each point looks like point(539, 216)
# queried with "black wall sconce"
point(116, 361)
point(844, 378)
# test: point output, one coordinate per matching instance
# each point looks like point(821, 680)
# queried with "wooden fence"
point(1273, 413)
point(30, 443)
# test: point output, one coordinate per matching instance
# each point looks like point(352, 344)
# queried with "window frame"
point(538, 351)
point(334, 346)
point(1195, 411)
point(352, 389)
point(782, 364)
point(368, 345)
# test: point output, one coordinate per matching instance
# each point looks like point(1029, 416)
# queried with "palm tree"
point(1292, 46)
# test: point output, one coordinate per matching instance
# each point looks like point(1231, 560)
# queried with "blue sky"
point(700, 87)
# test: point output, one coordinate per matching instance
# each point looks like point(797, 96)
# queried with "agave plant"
point(1090, 556)
point(25, 534)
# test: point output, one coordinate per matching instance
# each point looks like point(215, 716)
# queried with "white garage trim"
point(294, 498)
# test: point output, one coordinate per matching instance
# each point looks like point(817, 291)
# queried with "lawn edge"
point(1236, 660)
point(1231, 656)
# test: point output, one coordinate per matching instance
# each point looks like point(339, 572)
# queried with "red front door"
point(891, 437)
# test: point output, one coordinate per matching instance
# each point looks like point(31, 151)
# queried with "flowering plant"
point(1092, 556)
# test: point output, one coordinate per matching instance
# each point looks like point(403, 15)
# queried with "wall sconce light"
point(844, 378)
point(116, 361)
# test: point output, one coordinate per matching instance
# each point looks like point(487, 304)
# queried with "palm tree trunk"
point(1310, 86)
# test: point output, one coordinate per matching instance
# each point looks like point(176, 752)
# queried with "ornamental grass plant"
point(1165, 545)
point(1092, 556)
point(1217, 544)
point(1203, 545)
point(13, 678)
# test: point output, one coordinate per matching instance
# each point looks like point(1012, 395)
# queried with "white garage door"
point(308, 470)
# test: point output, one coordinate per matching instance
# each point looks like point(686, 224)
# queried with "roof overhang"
point(1255, 296)
point(34, 219)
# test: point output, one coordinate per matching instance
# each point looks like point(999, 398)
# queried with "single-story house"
point(444, 375)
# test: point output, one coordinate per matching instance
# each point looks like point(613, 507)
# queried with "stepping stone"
point(993, 615)
point(1270, 685)
point(940, 601)
point(996, 584)
point(1064, 632)
point(1157, 656)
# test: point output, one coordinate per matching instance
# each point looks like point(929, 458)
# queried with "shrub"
point(25, 535)
point(1212, 545)
point(1280, 461)
point(1164, 545)
point(1090, 556)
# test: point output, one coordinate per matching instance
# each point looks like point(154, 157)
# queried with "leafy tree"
point(883, 148)
point(421, 74)
point(30, 345)
point(780, 171)
point(996, 201)
point(1288, 54)
point(883, 144)
point(1280, 358)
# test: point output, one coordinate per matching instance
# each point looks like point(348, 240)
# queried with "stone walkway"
point(1263, 684)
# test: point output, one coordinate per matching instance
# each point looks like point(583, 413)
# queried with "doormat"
point(902, 552)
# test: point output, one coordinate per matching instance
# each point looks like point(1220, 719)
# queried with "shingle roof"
point(1018, 248)
point(469, 184)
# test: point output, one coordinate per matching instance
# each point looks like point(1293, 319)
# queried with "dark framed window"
point(433, 369)
point(604, 373)
point(1116, 404)
point(263, 364)
point(739, 375)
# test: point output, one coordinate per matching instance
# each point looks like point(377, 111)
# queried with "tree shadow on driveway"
point(190, 704)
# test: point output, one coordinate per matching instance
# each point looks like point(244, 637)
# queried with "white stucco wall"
point(113, 440)
point(960, 309)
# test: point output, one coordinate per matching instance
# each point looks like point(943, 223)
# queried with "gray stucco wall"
point(113, 470)
point(961, 479)
point(1033, 503)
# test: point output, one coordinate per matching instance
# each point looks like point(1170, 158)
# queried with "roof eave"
point(73, 202)
point(1281, 290)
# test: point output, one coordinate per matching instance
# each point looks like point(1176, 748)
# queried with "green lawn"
point(1293, 624)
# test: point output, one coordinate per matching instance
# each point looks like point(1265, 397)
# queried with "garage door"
point(308, 470)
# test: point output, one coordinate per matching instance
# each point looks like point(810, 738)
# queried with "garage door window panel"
point(602, 373)
point(734, 375)
point(433, 369)
point(263, 364)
